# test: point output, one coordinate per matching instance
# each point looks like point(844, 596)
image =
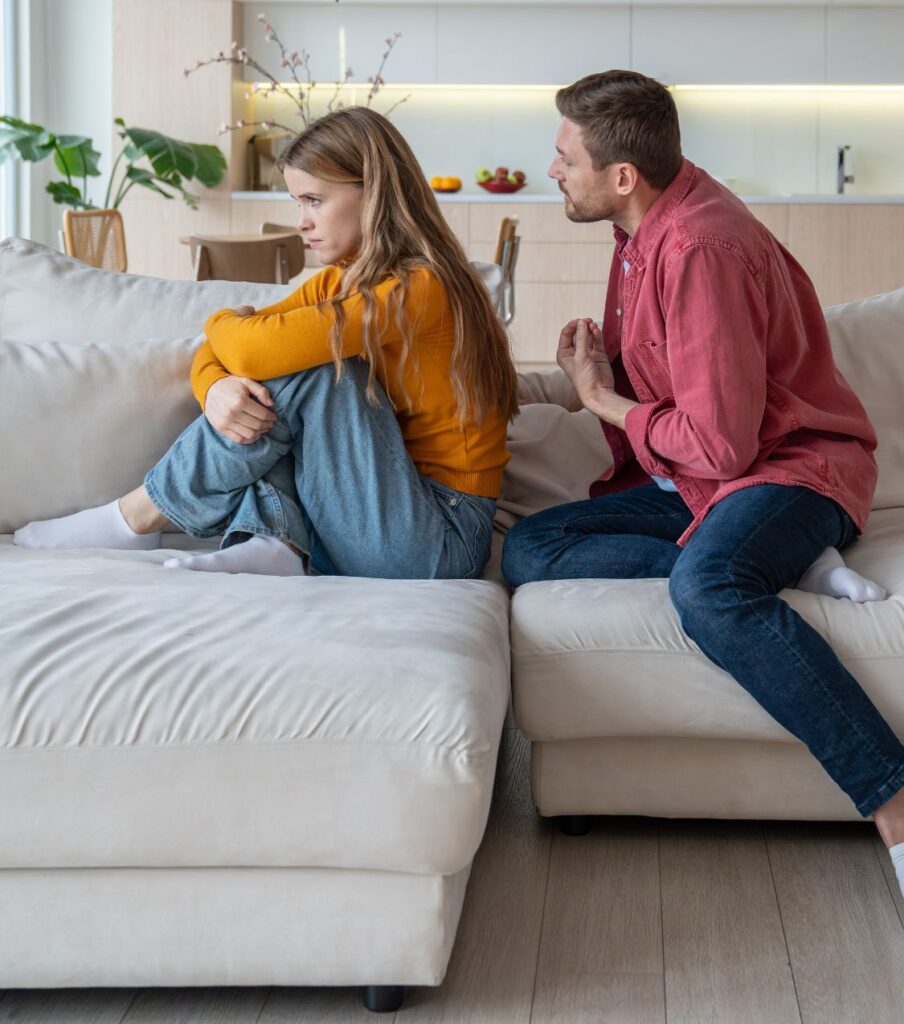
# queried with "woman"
point(389, 382)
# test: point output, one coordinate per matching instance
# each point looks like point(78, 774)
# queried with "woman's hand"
point(583, 358)
point(238, 408)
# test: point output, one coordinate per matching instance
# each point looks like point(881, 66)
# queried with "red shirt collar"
point(658, 218)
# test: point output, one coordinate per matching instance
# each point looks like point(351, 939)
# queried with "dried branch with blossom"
point(299, 90)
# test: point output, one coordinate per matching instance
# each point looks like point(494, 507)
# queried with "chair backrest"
point(267, 259)
point(269, 228)
point(507, 246)
point(95, 237)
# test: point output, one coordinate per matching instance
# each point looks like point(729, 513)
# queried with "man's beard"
point(584, 214)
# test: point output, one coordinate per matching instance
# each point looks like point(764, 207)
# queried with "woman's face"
point(329, 214)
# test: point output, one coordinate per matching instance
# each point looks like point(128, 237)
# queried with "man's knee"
point(698, 592)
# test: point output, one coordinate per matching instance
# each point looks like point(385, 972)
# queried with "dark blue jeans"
point(724, 584)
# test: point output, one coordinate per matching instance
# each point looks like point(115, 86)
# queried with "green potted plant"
point(146, 158)
point(166, 163)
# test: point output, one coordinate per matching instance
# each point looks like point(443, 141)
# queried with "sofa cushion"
point(868, 345)
point(554, 456)
point(595, 658)
point(46, 296)
point(81, 424)
point(152, 717)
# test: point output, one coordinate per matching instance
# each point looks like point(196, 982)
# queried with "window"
point(8, 105)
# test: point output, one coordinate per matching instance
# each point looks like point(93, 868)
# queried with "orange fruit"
point(436, 182)
point(451, 183)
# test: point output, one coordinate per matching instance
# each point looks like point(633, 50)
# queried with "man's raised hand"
point(583, 358)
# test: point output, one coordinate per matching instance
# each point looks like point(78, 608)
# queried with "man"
point(740, 452)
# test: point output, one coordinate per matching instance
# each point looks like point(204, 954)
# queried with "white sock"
point(101, 527)
point(262, 556)
point(897, 858)
point(829, 575)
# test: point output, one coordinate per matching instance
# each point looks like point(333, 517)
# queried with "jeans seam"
point(569, 527)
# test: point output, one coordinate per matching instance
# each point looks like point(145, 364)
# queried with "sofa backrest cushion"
point(868, 345)
point(81, 426)
point(46, 296)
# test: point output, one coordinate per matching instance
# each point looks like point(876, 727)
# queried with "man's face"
point(589, 195)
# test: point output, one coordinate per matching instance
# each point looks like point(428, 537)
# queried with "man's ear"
point(627, 179)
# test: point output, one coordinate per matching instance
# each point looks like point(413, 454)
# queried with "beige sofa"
point(624, 713)
point(245, 780)
point(212, 780)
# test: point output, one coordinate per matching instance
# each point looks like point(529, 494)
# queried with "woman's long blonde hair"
point(402, 229)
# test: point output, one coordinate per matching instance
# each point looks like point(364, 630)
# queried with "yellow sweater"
point(294, 335)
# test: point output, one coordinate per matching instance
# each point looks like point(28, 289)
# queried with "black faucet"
point(842, 177)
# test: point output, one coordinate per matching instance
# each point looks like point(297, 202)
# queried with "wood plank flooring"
point(640, 922)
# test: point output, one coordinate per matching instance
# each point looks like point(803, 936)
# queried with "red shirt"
point(715, 329)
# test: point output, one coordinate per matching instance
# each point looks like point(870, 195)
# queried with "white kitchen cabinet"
point(865, 45)
point(316, 27)
point(498, 44)
point(726, 45)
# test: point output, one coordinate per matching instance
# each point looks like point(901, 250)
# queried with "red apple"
point(519, 176)
point(501, 173)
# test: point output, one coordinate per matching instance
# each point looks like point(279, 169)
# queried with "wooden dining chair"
point(269, 228)
point(507, 246)
point(95, 237)
point(269, 259)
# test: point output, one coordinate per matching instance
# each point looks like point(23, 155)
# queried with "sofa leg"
point(574, 824)
point(383, 998)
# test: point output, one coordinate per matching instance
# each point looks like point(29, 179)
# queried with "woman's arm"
point(236, 407)
point(274, 343)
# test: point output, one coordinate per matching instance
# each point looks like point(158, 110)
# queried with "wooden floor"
point(642, 921)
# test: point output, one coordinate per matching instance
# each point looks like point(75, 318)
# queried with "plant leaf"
point(68, 195)
point(31, 141)
point(146, 179)
point(173, 160)
point(165, 154)
point(210, 164)
point(76, 156)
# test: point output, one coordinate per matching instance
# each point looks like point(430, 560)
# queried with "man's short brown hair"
point(626, 117)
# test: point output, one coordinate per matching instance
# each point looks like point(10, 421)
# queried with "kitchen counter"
point(554, 197)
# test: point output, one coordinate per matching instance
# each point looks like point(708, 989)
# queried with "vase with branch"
point(299, 90)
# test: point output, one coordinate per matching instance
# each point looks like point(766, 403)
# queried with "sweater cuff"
point(637, 427)
point(205, 380)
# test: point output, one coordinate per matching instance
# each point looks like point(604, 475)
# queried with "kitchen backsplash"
point(761, 140)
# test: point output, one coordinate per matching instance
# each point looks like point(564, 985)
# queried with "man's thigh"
point(629, 535)
point(646, 511)
point(765, 536)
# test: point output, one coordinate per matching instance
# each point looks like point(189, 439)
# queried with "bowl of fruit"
point(501, 180)
point(449, 184)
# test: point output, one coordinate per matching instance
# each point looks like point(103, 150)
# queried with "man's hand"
point(582, 356)
point(238, 408)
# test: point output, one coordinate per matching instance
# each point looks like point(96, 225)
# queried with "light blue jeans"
point(333, 478)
